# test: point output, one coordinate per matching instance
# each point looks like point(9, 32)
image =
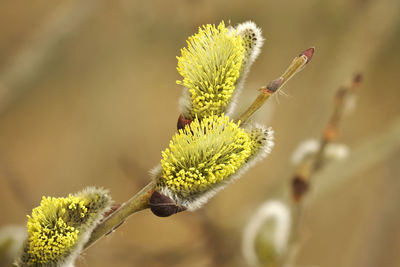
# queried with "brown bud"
point(357, 78)
point(275, 84)
point(163, 206)
point(299, 188)
point(182, 122)
point(308, 53)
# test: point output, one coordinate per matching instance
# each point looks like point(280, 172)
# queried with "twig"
point(297, 65)
point(331, 131)
point(337, 174)
point(309, 166)
point(141, 200)
point(138, 202)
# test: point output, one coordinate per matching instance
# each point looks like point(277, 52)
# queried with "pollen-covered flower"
point(214, 66)
point(59, 227)
point(205, 156)
point(210, 150)
point(210, 67)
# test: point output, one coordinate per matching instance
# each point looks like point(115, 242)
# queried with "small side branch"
point(331, 130)
point(307, 169)
point(138, 202)
point(309, 166)
point(297, 65)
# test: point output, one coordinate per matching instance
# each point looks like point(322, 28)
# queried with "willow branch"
point(297, 65)
point(138, 202)
point(331, 130)
point(311, 165)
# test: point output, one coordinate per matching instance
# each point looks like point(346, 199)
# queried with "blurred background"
point(88, 97)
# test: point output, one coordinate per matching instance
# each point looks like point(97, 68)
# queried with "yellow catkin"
point(210, 67)
point(259, 141)
point(50, 233)
point(204, 154)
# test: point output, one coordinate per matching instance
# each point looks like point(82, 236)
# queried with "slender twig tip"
point(308, 53)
